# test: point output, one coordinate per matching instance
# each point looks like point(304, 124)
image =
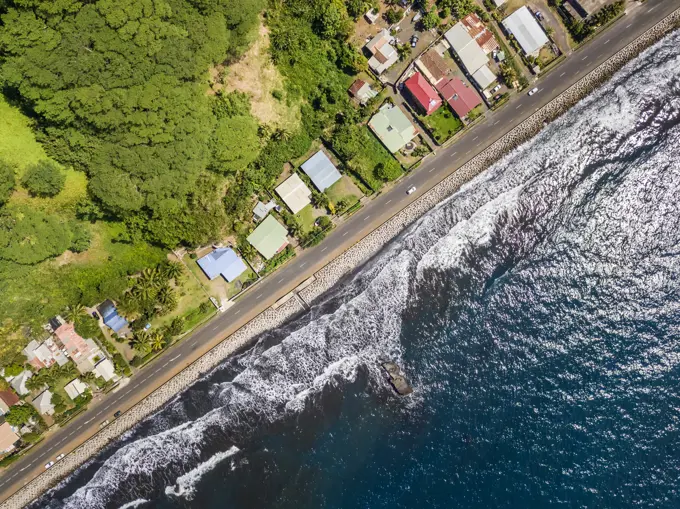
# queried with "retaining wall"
point(342, 265)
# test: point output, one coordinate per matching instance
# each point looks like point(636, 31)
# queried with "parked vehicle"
point(538, 15)
point(61, 456)
point(533, 91)
point(48, 465)
point(495, 89)
point(104, 424)
point(117, 414)
point(417, 17)
point(411, 190)
point(414, 41)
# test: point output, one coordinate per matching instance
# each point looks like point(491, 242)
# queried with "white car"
point(49, 465)
point(533, 91)
point(495, 89)
point(411, 190)
point(61, 456)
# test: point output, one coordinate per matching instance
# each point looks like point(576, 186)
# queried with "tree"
point(157, 341)
point(176, 327)
point(235, 144)
point(29, 236)
point(13, 370)
point(7, 182)
point(393, 16)
point(44, 179)
point(173, 270)
point(508, 73)
point(80, 237)
point(141, 342)
point(430, 20)
point(387, 171)
point(87, 327)
point(75, 313)
point(19, 415)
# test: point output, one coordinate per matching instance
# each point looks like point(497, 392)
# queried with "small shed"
point(321, 170)
point(223, 261)
point(294, 193)
point(269, 238)
point(262, 209)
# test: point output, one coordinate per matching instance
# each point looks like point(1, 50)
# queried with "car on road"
point(411, 190)
point(117, 414)
point(48, 465)
point(61, 456)
point(533, 91)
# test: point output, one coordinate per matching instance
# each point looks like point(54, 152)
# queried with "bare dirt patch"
point(256, 75)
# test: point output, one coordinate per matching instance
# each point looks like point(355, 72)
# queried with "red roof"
point(423, 93)
point(9, 398)
point(460, 97)
point(356, 86)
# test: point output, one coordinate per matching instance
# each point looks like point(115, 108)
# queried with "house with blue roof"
point(223, 261)
point(321, 170)
point(110, 315)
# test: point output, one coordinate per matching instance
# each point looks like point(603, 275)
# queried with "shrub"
point(44, 178)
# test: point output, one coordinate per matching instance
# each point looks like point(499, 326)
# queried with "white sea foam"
point(134, 504)
point(185, 486)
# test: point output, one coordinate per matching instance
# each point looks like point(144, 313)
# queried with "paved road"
point(374, 213)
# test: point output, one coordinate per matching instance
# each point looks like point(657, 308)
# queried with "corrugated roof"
point(435, 65)
point(321, 170)
point(460, 97)
point(392, 127)
point(467, 49)
point(7, 437)
point(423, 93)
point(524, 27)
point(484, 77)
point(294, 193)
point(222, 261)
point(269, 237)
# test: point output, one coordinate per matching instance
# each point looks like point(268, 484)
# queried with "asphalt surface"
point(367, 219)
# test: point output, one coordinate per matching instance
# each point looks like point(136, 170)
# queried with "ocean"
point(535, 312)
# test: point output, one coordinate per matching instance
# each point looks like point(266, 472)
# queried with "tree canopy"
point(29, 236)
point(7, 181)
point(44, 178)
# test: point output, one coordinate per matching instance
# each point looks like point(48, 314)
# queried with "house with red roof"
point(424, 96)
point(461, 98)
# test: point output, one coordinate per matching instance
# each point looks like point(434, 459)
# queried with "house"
point(110, 315)
point(498, 3)
point(7, 438)
point(424, 96)
point(480, 33)
point(84, 352)
point(269, 237)
point(294, 193)
point(7, 400)
point(321, 170)
point(526, 30)
point(362, 91)
point(484, 77)
point(461, 98)
point(75, 388)
point(262, 209)
point(471, 55)
point(372, 16)
point(38, 357)
point(384, 55)
point(18, 383)
point(223, 261)
point(432, 66)
point(105, 369)
point(392, 127)
point(43, 403)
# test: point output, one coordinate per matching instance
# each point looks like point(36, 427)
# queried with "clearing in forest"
point(256, 75)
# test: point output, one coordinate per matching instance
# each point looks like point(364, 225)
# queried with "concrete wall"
point(348, 261)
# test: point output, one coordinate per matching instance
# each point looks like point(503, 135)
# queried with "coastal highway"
point(372, 215)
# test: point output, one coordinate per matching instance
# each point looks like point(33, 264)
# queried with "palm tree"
point(166, 296)
point(150, 278)
point(281, 134)
point(128, 305)
point(144, 292)
point(157, 341)
point(75, 312)
point(141, 341)
point(173, 270)
point(68, 370)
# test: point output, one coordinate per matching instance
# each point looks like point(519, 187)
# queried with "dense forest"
point(118, 91)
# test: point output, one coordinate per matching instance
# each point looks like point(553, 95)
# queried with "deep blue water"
point(535, 312)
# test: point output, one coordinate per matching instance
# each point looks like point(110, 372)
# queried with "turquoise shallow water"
point(535, 312)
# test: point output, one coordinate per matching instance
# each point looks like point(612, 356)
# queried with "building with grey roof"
point(321, 170)
point(526, 30)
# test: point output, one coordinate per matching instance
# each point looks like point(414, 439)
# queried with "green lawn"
point(344, 189)
point(442, 124)
point(18, 145)
point(372, 154)
point(306, 218)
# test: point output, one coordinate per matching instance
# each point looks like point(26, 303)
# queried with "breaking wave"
point(467, 242)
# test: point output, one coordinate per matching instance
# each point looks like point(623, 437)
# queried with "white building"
point(466, 48)
point(75, 388)
point(384, 54)
point(18, 382)
point(105, 369)
point(294, 193)
point(526, 30)
point(43, 403)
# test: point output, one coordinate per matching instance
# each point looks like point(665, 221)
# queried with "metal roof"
point(467, 49)
point(269, 237)
point(484, 77)
point(294, 193)
point(321, 170)
point(529, 34)
point(392, 127)
point(222, 261)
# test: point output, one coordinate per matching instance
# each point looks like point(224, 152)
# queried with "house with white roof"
point(470, 53)
point(18, 382)
point(294, 193)
point(75, 388)
point(384, 54)
point(525, 29)
point(105, 369)
point(43, 403)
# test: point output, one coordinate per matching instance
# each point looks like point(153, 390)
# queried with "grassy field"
point(373, 153)
point(33, 293)
point(442, 124)
point(344, 189)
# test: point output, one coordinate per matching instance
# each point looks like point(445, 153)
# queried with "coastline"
point(348, 261)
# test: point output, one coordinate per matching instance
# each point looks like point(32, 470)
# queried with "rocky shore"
point(342, 265)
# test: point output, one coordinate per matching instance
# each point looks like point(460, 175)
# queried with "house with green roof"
point(391, 125)
point(269, 238)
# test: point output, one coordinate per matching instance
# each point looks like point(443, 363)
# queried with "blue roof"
point(222, 261)
point(111, 317)
point(321, 170)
